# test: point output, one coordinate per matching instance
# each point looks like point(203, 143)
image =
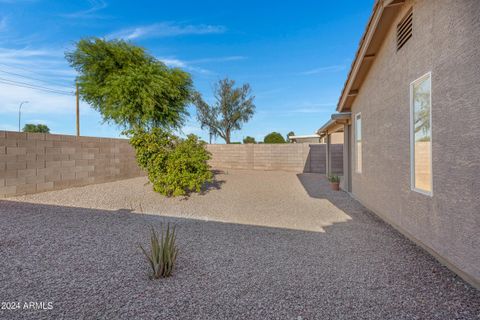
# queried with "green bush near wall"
point(175, 166)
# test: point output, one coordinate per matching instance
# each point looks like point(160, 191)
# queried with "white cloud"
point(190, 65)
point(37, 66)
point(46, 69)
point(218, 59)
point(165, 29)
point(95, 6)
point(333, 68)
point(39, 102)
point(177, 63)
point(6, 53)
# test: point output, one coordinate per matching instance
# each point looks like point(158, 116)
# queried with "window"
point(421, 134)
point(358, 143)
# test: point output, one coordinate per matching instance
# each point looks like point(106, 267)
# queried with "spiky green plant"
point(163, 252)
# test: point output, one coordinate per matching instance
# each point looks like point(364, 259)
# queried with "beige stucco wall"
point(446, 42)
point(335, 138)
point(37, 162)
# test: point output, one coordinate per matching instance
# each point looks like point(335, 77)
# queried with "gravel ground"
point(283, 247)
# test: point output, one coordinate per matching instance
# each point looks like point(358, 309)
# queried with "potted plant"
point(334, 182)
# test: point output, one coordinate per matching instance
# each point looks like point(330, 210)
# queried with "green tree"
point(232, 108)
point(249, 139)
point(128, 86)
point(291, 133)
point(29, 127)
point(274, 137)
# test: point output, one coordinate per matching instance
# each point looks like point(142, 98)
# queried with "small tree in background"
point(291, 133)
point(128, 86)
point(39, 128)
point(274, 137)
point(249, 139)
point(233, 107)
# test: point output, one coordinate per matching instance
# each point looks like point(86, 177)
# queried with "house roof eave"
point(384, 12)
point(335, 123)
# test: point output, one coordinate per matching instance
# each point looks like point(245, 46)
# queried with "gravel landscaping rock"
point(256, 245)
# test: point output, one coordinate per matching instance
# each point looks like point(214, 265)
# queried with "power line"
point(29, 87)
point(31, 78)
point(34, 86)
point(22, 68)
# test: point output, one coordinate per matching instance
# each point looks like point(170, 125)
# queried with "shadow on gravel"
point(317, 186)
point(216, 184)
point(87, 262)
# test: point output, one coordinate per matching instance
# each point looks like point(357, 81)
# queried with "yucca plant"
point(163, 252)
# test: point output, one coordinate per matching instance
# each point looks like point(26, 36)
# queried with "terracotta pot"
point(335, 186)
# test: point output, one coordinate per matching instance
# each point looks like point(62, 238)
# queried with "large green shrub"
point(274, 137)
point(175, 166)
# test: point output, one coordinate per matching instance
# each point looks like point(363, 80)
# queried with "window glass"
point(422, 134)
point(358, 143)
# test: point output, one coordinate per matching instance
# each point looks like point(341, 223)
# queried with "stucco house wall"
point(445, 42)
point(335, 138)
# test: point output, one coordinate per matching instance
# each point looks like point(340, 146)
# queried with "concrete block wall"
point(295, 157)
point(37, 162)
point(337, 158)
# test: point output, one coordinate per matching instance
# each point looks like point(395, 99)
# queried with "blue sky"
point(295, 55)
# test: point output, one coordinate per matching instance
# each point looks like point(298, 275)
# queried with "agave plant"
point(163, 252)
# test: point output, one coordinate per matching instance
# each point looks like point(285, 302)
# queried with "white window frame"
point(357, 115)
point(412, 138)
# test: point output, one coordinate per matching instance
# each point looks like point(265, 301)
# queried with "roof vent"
point(404, 29)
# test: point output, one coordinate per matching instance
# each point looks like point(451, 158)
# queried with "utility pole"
point(20, 115)
point(78, 111)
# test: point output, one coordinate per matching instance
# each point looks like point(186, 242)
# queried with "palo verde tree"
point(128, 86)
point(233, 107)
point(134, 90)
